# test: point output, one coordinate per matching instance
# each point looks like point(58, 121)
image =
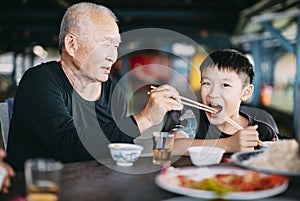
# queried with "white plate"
point(239, 158)
point(167, 181)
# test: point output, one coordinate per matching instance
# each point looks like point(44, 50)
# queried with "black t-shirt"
point(50, 119)
point(208, 131)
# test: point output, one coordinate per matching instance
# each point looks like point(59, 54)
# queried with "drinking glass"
point(43, 179)
point(163, 143)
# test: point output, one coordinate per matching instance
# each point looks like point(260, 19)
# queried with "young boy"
point(226, 81)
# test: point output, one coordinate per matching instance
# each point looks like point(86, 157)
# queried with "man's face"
point(98, 53)
point(222, 90)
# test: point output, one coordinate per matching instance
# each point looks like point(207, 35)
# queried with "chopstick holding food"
point(192, 103)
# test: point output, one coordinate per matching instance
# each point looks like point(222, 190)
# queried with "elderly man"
point(71, 109)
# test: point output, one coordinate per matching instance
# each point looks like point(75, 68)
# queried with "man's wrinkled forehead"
point(106, 27)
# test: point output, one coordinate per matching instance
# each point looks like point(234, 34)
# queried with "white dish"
point(205, 155)
point(239, 159)
point(167, 181)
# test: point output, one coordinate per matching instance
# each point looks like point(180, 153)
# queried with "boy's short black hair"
point(229, 59)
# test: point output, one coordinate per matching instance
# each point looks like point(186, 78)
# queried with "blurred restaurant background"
point(266, 30)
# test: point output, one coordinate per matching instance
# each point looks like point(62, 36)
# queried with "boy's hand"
point(244, 140)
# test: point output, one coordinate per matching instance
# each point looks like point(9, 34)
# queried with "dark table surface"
point(92, 181)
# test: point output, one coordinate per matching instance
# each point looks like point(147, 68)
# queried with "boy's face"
point(223, 90)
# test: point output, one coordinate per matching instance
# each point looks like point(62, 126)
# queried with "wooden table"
point(92, 181)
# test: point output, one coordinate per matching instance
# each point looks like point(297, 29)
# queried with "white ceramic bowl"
point(205, 155)
point(125, 154)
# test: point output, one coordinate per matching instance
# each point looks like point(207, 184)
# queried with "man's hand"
point(161, 100)
point(9, 173)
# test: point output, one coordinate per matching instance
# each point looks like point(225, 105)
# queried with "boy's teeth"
point(217, 107)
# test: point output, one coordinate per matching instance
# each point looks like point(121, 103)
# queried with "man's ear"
point(70, 44)
point(247, 92)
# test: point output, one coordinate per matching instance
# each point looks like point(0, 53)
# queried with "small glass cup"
point(43, 179)
point(163, 143)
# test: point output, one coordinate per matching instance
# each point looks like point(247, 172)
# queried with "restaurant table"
point(93, 181)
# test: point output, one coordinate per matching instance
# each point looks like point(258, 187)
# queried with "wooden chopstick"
point(195, 104)
point(198, 107)
point(233, 123)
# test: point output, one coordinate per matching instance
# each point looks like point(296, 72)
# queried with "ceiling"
point(281, 15)
point(27, 22)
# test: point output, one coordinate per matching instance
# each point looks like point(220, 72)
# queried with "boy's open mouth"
point(217, 107)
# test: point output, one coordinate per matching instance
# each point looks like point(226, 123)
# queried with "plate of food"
point(215, 182)
point(281, 158)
